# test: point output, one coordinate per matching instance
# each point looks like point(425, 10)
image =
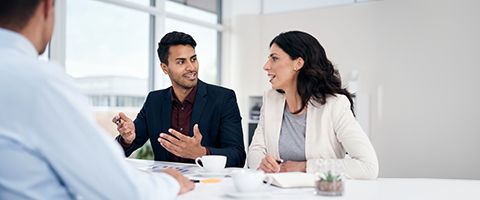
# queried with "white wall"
point(422, 53)
point(241, 52)
point(427, 63)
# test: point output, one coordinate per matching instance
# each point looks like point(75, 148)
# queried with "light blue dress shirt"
point(50, 145)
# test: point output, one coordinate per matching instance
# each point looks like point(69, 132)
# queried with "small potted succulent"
point(329, 178)
point(329, 184)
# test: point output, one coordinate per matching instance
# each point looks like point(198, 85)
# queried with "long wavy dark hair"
point(318, 78)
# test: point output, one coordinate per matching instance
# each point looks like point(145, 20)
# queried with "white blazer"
point(331, 130)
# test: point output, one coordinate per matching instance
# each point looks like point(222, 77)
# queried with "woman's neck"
point(294, 101)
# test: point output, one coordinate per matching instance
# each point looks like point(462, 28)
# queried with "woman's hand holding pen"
point(270, 165)
point(125, 127)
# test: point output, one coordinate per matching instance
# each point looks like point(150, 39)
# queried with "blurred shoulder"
point(29, 75)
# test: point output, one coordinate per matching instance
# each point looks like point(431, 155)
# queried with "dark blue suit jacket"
point(216, 112)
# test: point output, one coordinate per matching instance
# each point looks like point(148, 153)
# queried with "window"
point(111, 53)
point(107, 53)
point(206, 10)
point(207, 38)
point(207, 47)
point(141, 2)
point(106, 40)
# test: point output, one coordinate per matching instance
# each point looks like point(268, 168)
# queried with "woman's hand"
point(269, 165)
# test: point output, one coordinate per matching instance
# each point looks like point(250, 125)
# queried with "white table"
point(382, 188)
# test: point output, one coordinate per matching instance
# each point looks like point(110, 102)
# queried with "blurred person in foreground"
point(307, 118)
point(50, 145)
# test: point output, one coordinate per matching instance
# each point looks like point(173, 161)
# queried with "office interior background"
point(414, 64)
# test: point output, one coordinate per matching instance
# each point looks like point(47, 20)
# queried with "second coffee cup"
point(246, 180)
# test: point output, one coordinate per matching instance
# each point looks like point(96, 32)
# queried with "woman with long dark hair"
point(307, 118)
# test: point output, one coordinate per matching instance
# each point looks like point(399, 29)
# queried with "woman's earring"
point(295, 68)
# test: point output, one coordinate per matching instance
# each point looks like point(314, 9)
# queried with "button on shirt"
point(50, 144)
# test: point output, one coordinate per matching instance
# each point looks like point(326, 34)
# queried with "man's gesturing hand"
point(182, 145)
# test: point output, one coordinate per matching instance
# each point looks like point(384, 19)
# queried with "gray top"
point(292, 136)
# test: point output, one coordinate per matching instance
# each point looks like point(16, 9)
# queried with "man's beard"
point(186, 85)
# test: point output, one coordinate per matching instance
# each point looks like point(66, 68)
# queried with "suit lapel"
point(166, 117)
point(200, 101)
point(166, 111)
point(310, 124)
point(277, 110)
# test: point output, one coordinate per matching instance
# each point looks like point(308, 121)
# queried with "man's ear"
point(48, 8)
point(164, 68)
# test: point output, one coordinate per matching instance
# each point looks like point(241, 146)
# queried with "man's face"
point(182, 66)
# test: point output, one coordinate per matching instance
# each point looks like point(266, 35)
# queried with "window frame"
point(157, 14)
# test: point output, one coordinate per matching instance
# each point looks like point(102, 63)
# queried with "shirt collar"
point(14, 40)
point(190, 97)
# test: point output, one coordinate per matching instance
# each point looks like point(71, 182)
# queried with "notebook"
point(292, 179)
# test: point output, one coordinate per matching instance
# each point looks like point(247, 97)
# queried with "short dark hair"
point(15, 14)
point(172, 39)
point(318, 78)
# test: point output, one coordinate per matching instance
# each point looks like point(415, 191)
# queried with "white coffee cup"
point(212, 163)
point(249, 180)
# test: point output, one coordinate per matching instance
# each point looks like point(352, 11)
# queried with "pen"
point(279, 161)
point(209, 180)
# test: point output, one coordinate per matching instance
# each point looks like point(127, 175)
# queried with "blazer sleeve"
point(141, 131)
point(363, 163)
point(231, 135)
point(258, 148)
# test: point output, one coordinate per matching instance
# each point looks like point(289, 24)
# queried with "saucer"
point(241, 195)
point(222, 173)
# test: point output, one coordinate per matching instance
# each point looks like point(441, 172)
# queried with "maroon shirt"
point(182, 116)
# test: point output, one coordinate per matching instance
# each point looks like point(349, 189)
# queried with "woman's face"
point(282, 71)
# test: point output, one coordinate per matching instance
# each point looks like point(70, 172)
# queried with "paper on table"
point(292, 179)
point(157, 167)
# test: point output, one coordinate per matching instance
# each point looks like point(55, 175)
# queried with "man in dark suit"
point(189, 119)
